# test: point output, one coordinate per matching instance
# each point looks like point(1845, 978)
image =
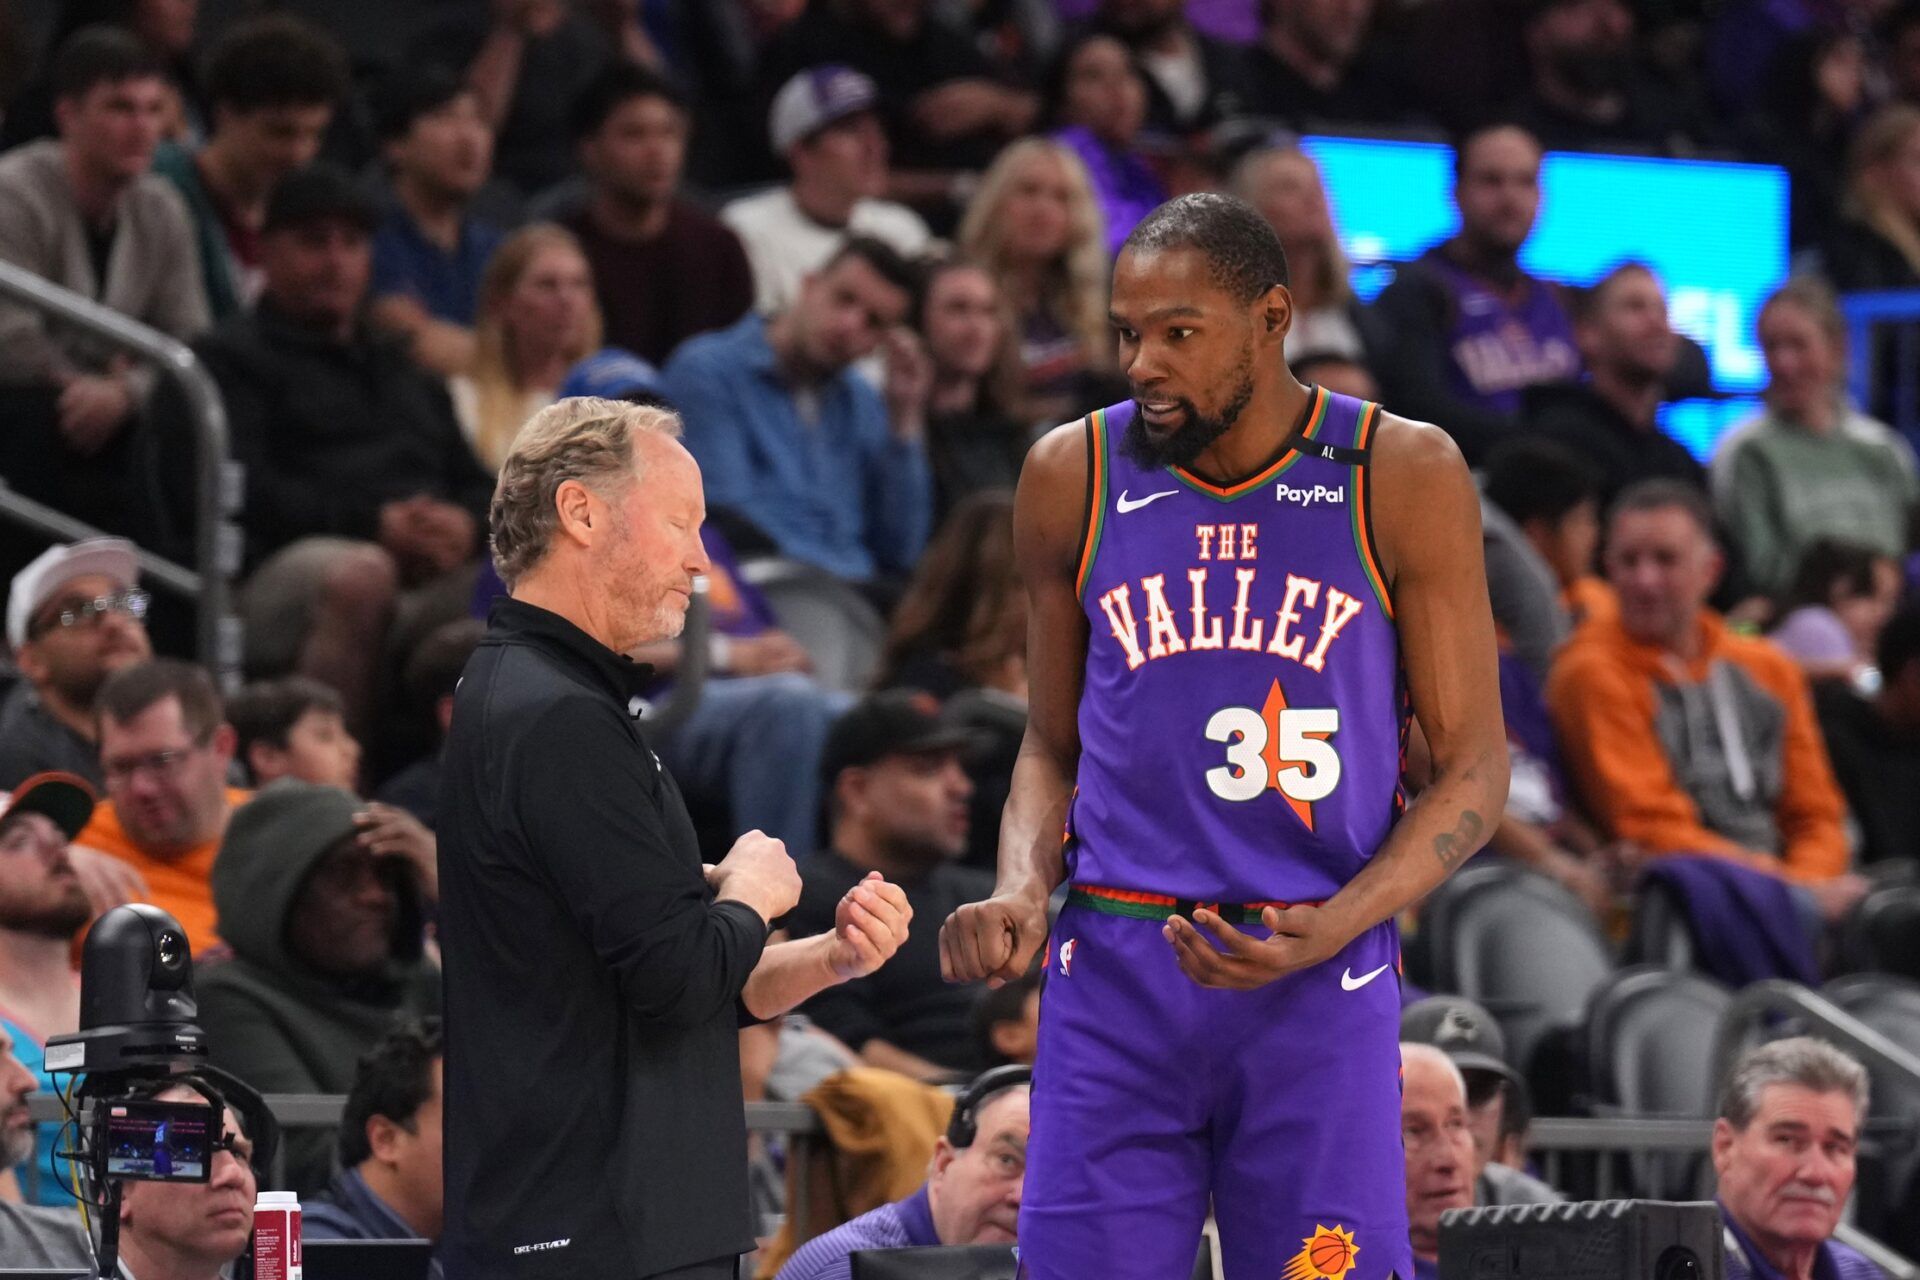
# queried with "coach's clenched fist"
point(759, 872)
point(869, 924)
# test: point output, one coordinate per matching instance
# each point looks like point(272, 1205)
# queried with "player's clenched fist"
point(868, 926)
point(995, 939)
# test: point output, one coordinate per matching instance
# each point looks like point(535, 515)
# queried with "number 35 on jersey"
point(1276, 747)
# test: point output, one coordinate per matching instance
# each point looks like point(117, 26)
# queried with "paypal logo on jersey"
point(1306, 497)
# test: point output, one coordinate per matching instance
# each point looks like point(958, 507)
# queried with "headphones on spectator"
point(964, 1127)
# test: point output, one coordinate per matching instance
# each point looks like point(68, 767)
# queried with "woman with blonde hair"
point(1035, 227)
point(1811, 465)
point(537, 319)
point(1283, 183)
point(1878, 244)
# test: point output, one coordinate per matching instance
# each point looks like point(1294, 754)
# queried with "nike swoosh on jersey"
point(1123, 506)
point(1350, 983)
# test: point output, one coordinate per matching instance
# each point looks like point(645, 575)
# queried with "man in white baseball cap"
point(74, 617)
point(824, 123)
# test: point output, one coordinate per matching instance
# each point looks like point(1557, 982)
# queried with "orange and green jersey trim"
point(1139, 905)
point(1280, 466)
point(1360, 508)
point(1096, 498)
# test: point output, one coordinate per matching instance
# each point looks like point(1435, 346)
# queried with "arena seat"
point(1518, 943)
point(1650, 1053)
point(1660, 935)
point(1882, 933)
point(838, 627)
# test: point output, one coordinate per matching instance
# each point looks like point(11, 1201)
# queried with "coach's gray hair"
point(1802, 1060)
point(583, 438)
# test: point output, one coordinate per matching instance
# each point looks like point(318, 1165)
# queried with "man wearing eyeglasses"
point(175, 1230)
point(74, 617)
point(164, 749)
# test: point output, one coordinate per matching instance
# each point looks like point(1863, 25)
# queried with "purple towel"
point(1746, 925)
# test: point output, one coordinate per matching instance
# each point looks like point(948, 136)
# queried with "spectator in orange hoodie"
point(1683, 736)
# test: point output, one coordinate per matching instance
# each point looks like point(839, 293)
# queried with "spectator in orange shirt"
point(1683, 736)
point(165, 747)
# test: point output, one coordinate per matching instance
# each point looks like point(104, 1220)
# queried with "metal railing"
point(1896, 314)
point(217, 481)
point(1759, 1000)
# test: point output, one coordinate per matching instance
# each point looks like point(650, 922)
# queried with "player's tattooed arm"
point(1425, 510)
point(1456, 846)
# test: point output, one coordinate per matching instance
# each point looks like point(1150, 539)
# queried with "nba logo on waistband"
point(1066, 957)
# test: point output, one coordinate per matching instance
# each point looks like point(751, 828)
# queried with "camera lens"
point(1678, 1263)
point(171, 948)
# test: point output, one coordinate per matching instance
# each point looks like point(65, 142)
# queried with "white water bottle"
point(276, 1236)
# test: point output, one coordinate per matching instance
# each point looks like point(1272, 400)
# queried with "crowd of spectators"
point(862, 248)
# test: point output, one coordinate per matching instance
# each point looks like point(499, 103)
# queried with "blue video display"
point(1716, 233)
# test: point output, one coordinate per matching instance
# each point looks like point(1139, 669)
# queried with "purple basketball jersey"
point(1498, 346)
point(1242, 717)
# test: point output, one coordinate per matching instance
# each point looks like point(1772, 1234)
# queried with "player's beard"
point(1187, 442)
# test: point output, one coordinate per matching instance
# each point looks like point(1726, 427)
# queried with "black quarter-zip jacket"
point(594, 1125)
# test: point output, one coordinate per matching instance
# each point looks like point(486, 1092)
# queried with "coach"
point(595, 972)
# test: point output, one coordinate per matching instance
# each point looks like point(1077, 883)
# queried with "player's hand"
point(868, 927)
point(995, 939)
point(1302, 937)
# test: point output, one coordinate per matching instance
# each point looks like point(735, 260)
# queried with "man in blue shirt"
point(1783, 1148)
point(794, 440)
point(389, 1186)
point(430, 251)
point(971, 1195)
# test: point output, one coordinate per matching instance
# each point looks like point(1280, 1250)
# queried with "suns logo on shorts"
point(1327, 1254)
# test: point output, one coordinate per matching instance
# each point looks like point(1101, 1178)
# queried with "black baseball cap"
point(898, 722)
point(319, 192)
point(1462, 1030)
point(65, 798)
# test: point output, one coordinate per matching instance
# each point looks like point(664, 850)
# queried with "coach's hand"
point(1302, 936)
point(758, 872)
point(995, 939)
point(868, 926)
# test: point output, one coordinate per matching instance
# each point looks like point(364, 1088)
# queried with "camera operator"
point(190, 1230)
point(168, 1230)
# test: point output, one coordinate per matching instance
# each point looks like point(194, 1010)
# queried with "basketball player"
point(1238, 585)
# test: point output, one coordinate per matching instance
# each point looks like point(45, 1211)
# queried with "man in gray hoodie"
point(327, 954)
